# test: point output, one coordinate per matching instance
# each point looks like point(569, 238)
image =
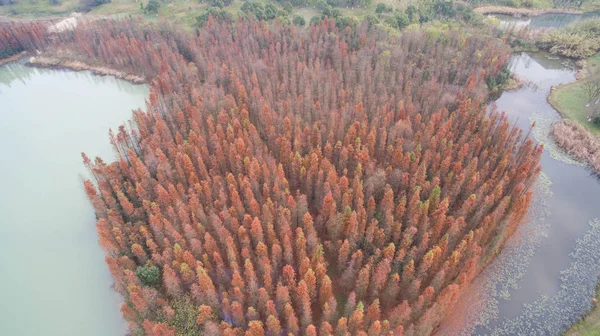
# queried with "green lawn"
point(39, 8)
point(593, 63)
point(589, 325)
point(590, 5)
point(570, 99)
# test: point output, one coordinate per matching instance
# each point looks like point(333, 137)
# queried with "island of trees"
point(290, 181)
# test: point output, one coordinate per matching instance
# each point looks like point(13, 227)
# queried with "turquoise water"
point(54, 280)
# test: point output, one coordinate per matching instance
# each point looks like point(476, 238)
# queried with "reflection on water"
point(54, 280)
point(14, 72)
point(17, 72)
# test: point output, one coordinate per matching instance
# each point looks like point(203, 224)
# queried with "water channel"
point(545, 278)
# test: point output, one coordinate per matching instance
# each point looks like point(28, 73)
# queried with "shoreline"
point(515, 83)
point(59, 63)
point(580, 75)
point(551, 98)
point(12, 58)
point(589, 321)
point(517, 12)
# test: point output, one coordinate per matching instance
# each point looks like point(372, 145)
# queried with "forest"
point(281, 180)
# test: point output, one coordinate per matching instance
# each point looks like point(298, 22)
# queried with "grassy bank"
point(570, 99)
point(589, 325)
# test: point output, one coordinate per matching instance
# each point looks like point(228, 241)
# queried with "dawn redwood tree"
point(283, 180)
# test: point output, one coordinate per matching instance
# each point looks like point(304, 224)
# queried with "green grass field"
point(593, 63)
point(39, 8)
point(570, 99)
point(590, 5)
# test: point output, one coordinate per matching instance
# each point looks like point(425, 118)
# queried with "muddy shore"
point(53, 62)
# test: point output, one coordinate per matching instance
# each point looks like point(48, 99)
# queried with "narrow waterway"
point(545, 21)
point(544, 279)
point(54, 281)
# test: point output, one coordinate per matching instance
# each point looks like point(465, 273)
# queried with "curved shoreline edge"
point(59, 63)
point(579, 133)
point(12, 58)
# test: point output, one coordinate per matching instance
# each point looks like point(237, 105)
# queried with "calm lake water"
point(54, 281)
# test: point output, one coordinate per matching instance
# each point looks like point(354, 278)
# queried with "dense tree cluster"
point(16, 38)
point(306, 182)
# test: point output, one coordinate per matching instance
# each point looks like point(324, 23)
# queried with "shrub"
point(149, 275)
point(220, 3)
point(316, 20)
point(412, 13)
point(270, 11)
point(185, 317)
point(343, 21)
point(153, 6)
point(578, 142)
point(87, 5)
point(372, 19)
point(215, 13)
point(298, 21)
point(577, 40)
point(402, 20)
point(298, 3)
point(382, 8)
point(259, 11)
point(284, 20)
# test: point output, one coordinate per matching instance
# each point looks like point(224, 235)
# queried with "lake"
point(54, 278)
